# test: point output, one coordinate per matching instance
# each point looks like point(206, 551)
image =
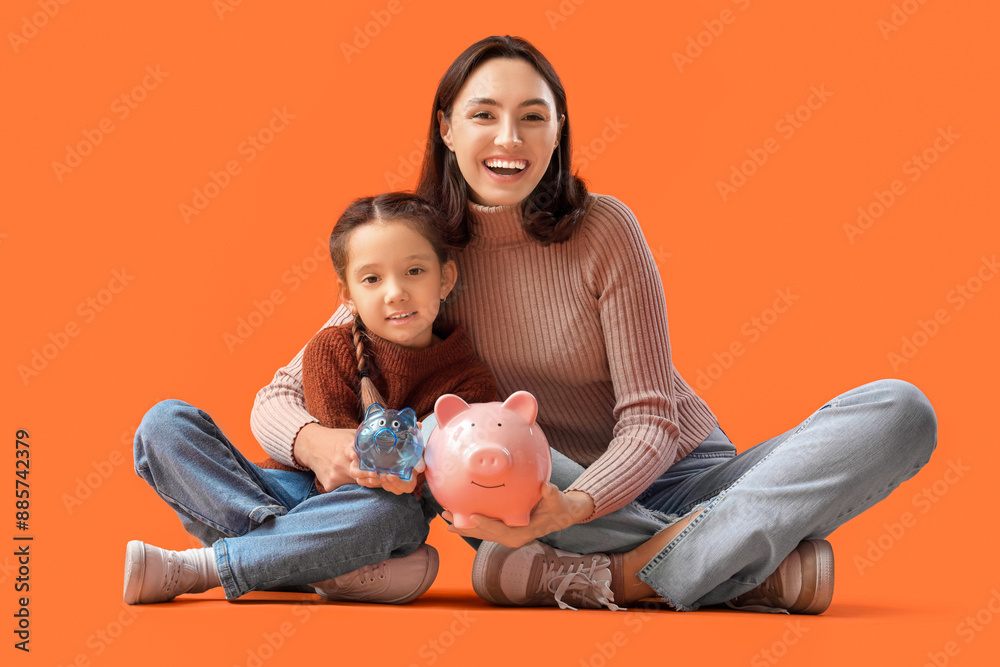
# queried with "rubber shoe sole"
point(817, 578)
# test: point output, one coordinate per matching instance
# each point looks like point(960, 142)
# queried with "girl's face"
point(503, 129)
point(395, 282)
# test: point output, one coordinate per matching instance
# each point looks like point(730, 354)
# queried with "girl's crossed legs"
point(269, 528)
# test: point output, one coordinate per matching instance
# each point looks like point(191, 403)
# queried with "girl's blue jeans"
point(271, 529)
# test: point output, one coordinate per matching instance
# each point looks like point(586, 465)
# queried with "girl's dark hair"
point(403, 207)
point(557, 203)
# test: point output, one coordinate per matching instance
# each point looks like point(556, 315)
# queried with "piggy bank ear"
point(374, 411)
point(448, 407)
point(408, 417)
point(524, 404)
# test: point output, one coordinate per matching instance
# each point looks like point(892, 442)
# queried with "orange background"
point(356, 121)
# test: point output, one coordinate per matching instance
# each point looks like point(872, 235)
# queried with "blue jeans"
point(758, 505)
point(269, 528)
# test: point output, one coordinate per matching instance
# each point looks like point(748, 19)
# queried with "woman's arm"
point(618, 268)
point(280, 421)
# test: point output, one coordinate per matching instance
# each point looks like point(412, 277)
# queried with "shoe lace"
point(767, 594)
point(575, 578)
point(370, 573)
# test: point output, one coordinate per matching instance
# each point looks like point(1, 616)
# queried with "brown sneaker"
point(392, 581)
point(802, 584)
point(537, 575)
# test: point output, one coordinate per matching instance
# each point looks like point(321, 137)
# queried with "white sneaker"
point(392, 581)
point(153, 574)
point(537, 575)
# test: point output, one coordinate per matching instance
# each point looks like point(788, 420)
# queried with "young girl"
point(395, 271)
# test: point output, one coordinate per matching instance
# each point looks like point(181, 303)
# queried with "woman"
point(561, 298)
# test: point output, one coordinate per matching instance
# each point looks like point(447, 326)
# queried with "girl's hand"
point(327, 452)
point(556, 510)
point(390, 483)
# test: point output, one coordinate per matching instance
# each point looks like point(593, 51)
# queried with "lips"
point(401, 317)
point(505, 166)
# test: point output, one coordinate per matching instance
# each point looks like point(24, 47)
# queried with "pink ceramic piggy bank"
point(487, 458)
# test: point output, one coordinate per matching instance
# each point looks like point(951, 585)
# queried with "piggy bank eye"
point(381, 422)
point(395, 424)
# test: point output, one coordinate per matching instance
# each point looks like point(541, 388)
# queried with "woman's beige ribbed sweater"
point(582, 325)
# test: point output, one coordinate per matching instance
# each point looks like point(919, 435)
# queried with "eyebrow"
point(535, 101)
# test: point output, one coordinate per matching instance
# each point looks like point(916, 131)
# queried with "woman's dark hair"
point(403, 207)
point(557, 203)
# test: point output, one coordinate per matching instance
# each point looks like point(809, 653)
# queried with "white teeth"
point(506, 164)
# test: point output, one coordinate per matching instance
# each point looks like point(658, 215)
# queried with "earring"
point(444, 299)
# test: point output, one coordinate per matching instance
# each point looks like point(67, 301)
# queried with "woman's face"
point(503, 129)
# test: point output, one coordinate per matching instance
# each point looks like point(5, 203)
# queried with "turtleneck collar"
point(497, 223)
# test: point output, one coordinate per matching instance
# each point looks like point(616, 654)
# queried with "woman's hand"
point(390, 483)
point(328, 452)
point(555, 511)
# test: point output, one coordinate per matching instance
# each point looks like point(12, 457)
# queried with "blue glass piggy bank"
point(389, 442)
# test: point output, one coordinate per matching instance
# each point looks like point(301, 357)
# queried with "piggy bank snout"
point(488, 461)
point(385, 439)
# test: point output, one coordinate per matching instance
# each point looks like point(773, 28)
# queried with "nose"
point(488, 461)
point(508, 137)
point(394, 291)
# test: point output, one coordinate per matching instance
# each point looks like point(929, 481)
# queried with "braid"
point(368, 393)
